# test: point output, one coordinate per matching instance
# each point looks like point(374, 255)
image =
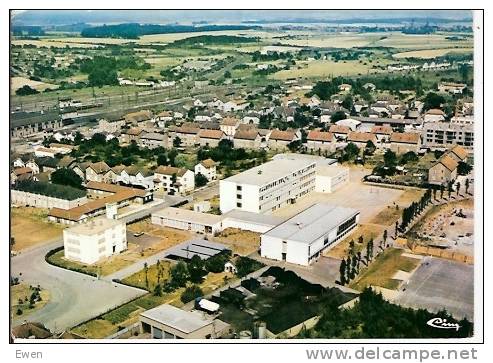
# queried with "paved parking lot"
point(144, 241)
point(441, 284)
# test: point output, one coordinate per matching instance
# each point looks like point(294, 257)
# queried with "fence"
point(438, 252)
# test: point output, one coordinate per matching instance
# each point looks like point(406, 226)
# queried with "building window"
point(238, 187)
point(238, 196)
point(238, 205)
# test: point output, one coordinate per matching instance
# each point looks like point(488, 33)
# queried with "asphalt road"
point(74, 298)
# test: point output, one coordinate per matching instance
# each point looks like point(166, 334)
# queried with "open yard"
point(155, 275)
point(241, 242)
point(19, 82)
point(449, 226)
point(383, 269)
point(29, 227)
point(21, 296)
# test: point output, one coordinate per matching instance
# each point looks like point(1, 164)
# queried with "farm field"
point(431, 53)
point(323, 68)
point(425, 41)
point(57, 43)
point(18, 82)
point(29, 228)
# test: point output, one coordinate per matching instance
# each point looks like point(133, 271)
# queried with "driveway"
point(74, 298)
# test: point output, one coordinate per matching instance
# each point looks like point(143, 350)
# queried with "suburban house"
point(382, 133)
point(458, 153)
point(434, 115)
point(229, 125)
point(320, 140)
point(248, 139)
point(210, 137)
point(99, 172)
point(152, 140)
point(20, 174)
point(136, 118)
point(110, 126)
point(402, 142)
point(279, 139)
point(207, 168)
point(132, 134)
point(340, 132)
point(443, 171)
point(187, 133)
point(136, 177)
point(360, 139)
point(174, 180)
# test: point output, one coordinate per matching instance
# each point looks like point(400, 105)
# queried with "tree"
point(390, 158)
point(196, 269)
point(370, 148)
point(351, 247)
point(348, 269)
point(146, 270)
point(457, 186)
point(200, 180)
point(396, 228)
point(385, 236)
point(463, 168)
point(158, 290)
point(449, 188)
point(433, 100)
point(191, 293)
point(434, 193)
point(227, 74)
point(337, 116)
point(354, 266)
point(179, 274)
point(176, 142)
point(342, 272)
point(25, 91)
point(467, 186)
point(162, 159)
point(442, 189)
point(66, 176)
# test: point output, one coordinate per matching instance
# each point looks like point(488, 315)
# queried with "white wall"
point(42, 201)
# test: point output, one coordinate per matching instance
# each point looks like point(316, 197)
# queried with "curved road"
point(75, 297)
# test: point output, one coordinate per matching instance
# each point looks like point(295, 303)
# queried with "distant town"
point(241, 181)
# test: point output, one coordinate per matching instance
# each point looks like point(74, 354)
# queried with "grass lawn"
point(240, 242)
point(139, 278)
point(58, 259)
point(383, 267)
point(23, 292)
point(30, 227)
point(368, 231)
point(431, 53)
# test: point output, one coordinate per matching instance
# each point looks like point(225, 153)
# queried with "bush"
point(25, 91)
point(246, 265)
point(191, 293)
point(216, 263)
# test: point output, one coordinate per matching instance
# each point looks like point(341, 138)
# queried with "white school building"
point(302, 238)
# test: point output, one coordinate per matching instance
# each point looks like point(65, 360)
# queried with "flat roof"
point(94, 226)
point(320, 160)
point(332, 170)
point(187, 215)
point(270, 171)
point(184, 321)
point(245, 216)
point(312, 223)
point(196, 247)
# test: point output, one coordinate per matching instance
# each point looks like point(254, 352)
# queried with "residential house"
point(187, 133)
point(402, 142)
point(110, 126)
point(434, 115)
point(320, 141)
point(339, 131)
point(210, 137)
point(207, 168)
point(279, 139)
point(99, 172)
point(454, 88)
point(152, 140)
point(360, 139)
point(458, 153)
point(136, 177)
point(382, 133)
point(132, 134)
point(229, 125)
point(247, 138)
point(174, 180)
point(139, 117)
point(443, 171)
point(349, 122)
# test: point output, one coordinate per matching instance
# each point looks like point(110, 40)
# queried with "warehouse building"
point(330, 178)
point(187, 220)
point(169, 322)
point(302, 238)
point(270, 186)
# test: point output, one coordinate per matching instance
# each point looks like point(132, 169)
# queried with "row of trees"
point(415, 209)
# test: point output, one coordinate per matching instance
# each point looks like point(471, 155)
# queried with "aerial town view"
point(242, 174)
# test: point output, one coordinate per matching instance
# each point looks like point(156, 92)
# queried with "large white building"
point(302, 238)
point(89, 242)
point(268, 187)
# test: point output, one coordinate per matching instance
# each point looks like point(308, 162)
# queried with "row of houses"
point(445, 169)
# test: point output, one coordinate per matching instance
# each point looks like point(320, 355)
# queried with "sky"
point(57, 17)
